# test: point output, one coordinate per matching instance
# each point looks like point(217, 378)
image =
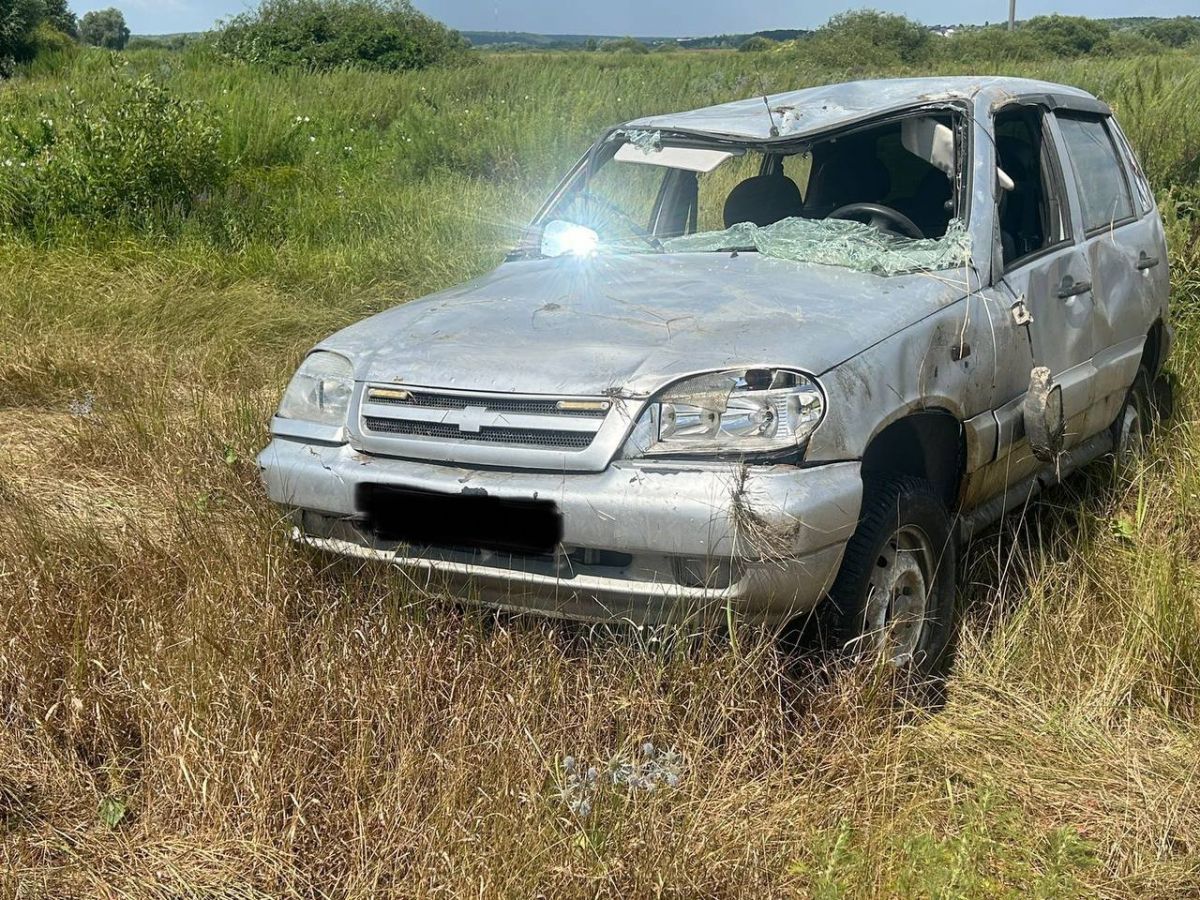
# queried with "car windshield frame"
point(882, 252)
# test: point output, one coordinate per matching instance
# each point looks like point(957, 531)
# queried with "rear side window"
point(1099, 175)
point(1140, 184)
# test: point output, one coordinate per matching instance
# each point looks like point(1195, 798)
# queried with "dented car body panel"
point(632, 324)
point(574, 388)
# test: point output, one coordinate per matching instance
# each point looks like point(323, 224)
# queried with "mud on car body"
point(752, 360)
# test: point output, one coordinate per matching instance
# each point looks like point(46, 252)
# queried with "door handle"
point(1069, 287)
point(1146, 261)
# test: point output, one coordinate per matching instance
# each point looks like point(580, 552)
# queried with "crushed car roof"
point(828, 106)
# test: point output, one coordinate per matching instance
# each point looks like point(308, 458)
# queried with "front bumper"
point(646, 542)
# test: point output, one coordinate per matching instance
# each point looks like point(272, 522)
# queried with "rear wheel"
point(1136, 419)
point(894, 598)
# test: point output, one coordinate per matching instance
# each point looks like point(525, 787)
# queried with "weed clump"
point(319, 35)
point(135, 155)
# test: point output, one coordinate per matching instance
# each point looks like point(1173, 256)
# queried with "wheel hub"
point(898, 596)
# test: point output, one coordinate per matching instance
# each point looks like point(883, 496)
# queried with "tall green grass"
point(190, 707)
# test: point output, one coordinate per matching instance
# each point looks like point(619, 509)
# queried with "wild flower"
point(644, 772)
point(83, 409)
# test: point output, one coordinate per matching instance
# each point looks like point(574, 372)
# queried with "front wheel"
point(894, 597)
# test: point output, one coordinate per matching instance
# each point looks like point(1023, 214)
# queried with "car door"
point(1046, 271)
point(1124, 248)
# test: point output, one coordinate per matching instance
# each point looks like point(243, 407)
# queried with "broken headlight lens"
point(736, 411)
point(320, 390)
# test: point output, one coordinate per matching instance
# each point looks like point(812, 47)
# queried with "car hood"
point(630, 324)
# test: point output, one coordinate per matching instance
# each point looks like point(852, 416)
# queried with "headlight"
point(737, 411)
point(320, 390)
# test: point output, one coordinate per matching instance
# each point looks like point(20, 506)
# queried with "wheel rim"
point(898, 595)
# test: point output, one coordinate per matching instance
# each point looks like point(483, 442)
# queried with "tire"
point(905, 549)
point(1164, 397)
point(1136, 420)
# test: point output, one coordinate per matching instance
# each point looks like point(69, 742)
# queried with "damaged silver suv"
point(752, 361)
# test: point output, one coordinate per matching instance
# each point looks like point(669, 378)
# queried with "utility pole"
point(1012, 14)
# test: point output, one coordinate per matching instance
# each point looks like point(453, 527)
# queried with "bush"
point(172, 43)
point(1042, 38)
point(624, 45)
point(1126, 43)
point(327, 34)
point(1067, 35)
point(1177, 32)
point(104, 28)
point(992, 43)
point(49, 39)
point(867, 37)
point(757, 44)
point(136, 156)
point(18, 20)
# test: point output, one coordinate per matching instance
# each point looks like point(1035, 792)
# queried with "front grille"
point(421, 422)
point(530, 406)
point(528, 437)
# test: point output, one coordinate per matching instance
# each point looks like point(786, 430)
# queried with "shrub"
point(18, 19)
point(992, 43)
point(328, 34)
point(172, 43)
point(104, 28)
point(624, 45)
point(1177, 32)
point(867, 36)
point(49, 39)
point(1126, 43)
point(757, 44)
point(136, 156)
point(1067, 35)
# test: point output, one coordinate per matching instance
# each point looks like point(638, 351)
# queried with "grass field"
point(190, 707)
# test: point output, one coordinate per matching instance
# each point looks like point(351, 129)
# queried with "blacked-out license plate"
point(471, 521)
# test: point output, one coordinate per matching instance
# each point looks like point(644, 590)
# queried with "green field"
point(192, 707)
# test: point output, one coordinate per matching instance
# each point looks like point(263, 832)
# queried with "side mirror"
point(561, 238)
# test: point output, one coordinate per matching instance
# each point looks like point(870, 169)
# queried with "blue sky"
point(645, 17)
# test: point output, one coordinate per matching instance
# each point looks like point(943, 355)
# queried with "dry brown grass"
point(192, 707)
point(276, 724)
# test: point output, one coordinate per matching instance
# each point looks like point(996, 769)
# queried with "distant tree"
point(59, 16)
point(104, 28)
point(624, 45)
point(172, 42)
point(1177, 32)
point(591, 44)
point(757, 44)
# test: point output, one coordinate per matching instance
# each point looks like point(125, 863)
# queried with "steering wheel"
point(631, 223)
point(878, 216)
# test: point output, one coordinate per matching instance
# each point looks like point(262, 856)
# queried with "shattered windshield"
point(834, 242)
point(880, 199)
